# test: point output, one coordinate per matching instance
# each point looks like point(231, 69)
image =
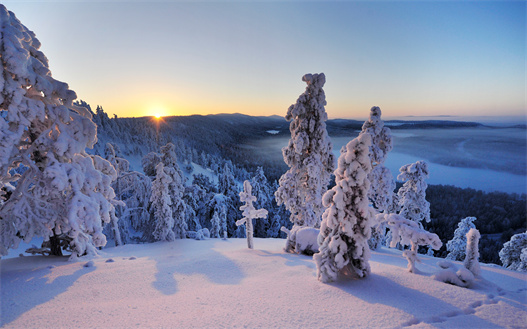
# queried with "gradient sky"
point(179, 57)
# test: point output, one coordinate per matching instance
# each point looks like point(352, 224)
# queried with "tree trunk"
point(54, 245)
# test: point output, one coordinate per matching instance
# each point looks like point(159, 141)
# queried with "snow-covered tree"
point(309, 155)
point(176, 188)
point(472, 253)
point(161, 206)
point(457, 246)
point(249, 212)
point(218, 206)
point(412, 195)
point(513, 253)
point(262, 192)
point(63, 194)
point(347, 221)
point(149, 163)
point(408, 233)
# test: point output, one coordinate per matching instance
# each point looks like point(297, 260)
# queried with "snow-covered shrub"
point(457, 246)
point(412, 195)
point(347, 221)
point(449, 273)
point(64, 194)
point(249, 212)
point(149, 163)
point(302, 240)
point(160, 205)
point(308, 155)
point(472, 254)
point(408, 233)
point(512, 255)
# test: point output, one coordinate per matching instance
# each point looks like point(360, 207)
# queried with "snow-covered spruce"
point(308, 155)
point(472, 254)
point(218, 220)
point(457, 246)
point(249, 212)
point(409, 233)
point(346, 223)
point(161, 206)
point(513, 255)
point(176, 188)
point(412, 195)
point(382, 184)
point(63, 194)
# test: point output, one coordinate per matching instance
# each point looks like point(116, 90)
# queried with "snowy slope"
point(216, 283)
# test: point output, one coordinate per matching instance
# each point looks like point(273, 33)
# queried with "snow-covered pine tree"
point(149, 163)
point(262, 193)
point(412, 195)
point(512, 255)
point(64, 194)
point(472, 253)
point(382, 182)
point(176, 189)
point(249, 212)
point(228, 187)
point(218, 205)
point(346, 223)
point(161, 206)
point(309, 155)
point(457, 246)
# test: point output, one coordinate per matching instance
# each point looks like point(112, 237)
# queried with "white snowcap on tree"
point(346, 223)
point(309, 155)
point(64, 193)
point(412, 195)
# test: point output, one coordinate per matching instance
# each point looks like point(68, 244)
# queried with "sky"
point(419, 58)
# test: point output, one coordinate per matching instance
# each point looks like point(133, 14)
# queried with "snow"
point(273, 132)
point(188, 283)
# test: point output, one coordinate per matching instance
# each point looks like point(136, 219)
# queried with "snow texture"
point(249, 212)
point(208, 284)
point(457, 246)
point(64, 194)
point(347, 221)
point(309, 155)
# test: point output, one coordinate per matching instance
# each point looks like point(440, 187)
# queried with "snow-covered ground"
point(217, 284)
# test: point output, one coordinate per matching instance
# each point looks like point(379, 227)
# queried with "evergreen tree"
point(63, 194)
point(512, 255)
point(308, 155)
point(346, 223)
point(161, 206)
point(412, 195)
point(262, 192)
point(457, 246)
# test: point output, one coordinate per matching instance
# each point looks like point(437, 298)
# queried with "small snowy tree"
point(512, 255)
point(63, 194)
point(472, 253)
point(346, 223)
point(161, 206)
point(409, 233)
point(249, 212)
point(218, 220)
point(457, 246)
point(309, 155)
point(412, 195)
point(262, 192)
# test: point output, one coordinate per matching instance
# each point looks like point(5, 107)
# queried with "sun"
point(157, 116)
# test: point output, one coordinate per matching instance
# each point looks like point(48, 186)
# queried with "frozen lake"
point(483, 158)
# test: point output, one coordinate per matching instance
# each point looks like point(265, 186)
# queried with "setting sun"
point(157, 116)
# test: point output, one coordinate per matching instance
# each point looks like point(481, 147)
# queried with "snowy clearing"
point(217, 283)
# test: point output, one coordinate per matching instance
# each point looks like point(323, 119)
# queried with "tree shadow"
point(214, 266)
point(27, 284)
point(292, 259)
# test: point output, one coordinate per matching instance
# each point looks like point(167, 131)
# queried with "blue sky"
point(179, 58)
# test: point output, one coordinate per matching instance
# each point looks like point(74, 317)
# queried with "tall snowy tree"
point(347, 221)
point(261, 190)
point(249, 212)
point(513, 253)
point(457, 246)
point(176, 188)
point(472, 253)
point(309, 155)
point(412, 195)
point(229, 188)
point(161, 206)
point(63, 194)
